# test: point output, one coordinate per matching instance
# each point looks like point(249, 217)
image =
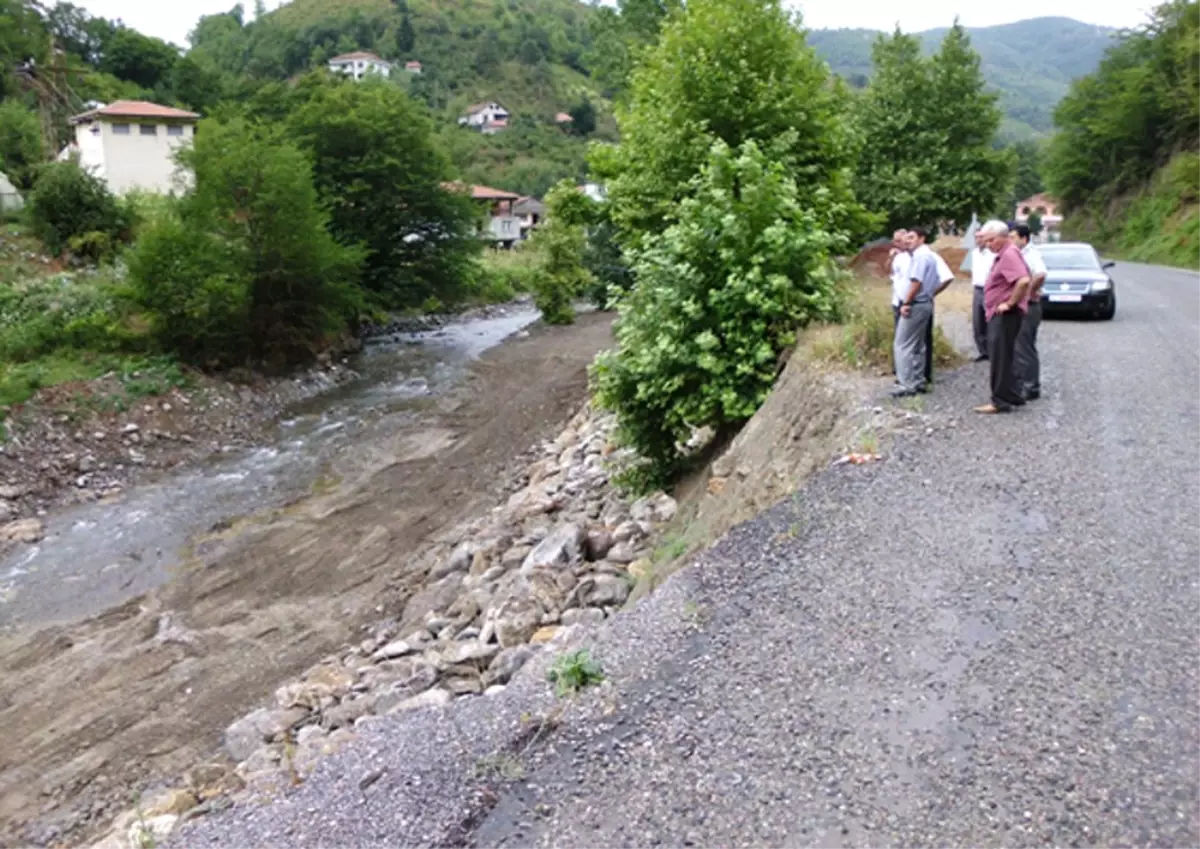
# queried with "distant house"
point(130, 144)
point(413, 67)
point(530, 211)
point(360, 63)
point(501, 224)
point(10, 199)
point(1047, 208)
point(595, 191)
point(486, 116)
point(562, 118)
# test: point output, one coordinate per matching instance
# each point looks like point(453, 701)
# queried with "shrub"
point(65, 311)
point(719, 295)
point(69, 203)
point(559, 243)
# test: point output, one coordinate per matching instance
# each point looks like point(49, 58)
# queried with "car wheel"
point(1108, 312)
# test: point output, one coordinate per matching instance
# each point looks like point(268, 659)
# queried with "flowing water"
point(100, 554)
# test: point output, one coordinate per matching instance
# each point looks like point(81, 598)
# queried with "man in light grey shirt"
point(916, 311)
point(981, 266)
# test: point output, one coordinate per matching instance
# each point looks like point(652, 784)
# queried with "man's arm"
point(1017, 295)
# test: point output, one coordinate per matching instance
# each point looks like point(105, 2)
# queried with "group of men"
point(1007, 272)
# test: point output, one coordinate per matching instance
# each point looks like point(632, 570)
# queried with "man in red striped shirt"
point(1005, 301)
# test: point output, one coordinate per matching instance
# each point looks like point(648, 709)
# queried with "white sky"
point(172, 19)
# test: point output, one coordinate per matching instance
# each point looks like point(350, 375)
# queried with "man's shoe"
point(1033, 394)
point(991, 409)
point(981, 358)
point(902, 392)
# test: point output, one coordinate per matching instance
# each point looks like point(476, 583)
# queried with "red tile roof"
point(563, 118)
point(482, 192)
point(136, 109)
point(358, 54)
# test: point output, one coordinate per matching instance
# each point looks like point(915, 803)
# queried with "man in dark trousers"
point(1029, 370)
point(1005, 298)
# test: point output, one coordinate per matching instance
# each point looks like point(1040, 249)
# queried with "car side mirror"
point(1107, 265)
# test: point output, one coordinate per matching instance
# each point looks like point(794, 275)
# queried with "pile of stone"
point(562, 553)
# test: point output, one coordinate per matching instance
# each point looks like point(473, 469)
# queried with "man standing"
point(945, 278)
point(1029, 369)
point(916, 311)
point(900, 261)
point(981, 264)
point(1005, 297)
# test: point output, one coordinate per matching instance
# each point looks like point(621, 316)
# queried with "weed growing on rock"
point(573, 672)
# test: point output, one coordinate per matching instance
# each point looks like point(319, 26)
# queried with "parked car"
point(1077, 282)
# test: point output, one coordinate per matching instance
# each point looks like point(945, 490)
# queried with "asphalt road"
point(990, 638)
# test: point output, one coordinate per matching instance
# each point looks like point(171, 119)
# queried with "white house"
point(595, 191)
point(360, 63)
point(485, 116)
point(501, 224)
point(131, 144)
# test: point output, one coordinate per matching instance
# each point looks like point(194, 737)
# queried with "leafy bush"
point(69, 203)
point(719, 295)
point(559, 243)
point(84, 312)
point(573, 672)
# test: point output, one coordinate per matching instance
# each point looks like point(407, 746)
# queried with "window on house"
point(120, 129)
point(174, 130)
point(148, 129)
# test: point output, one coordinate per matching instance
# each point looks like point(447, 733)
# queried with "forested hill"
point(1030, 63)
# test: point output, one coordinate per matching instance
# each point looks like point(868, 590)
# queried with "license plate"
point(1065, 299)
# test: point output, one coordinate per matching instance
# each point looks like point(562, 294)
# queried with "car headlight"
point(1101, 285)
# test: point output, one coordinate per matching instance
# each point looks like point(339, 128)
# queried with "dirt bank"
point(135, 696)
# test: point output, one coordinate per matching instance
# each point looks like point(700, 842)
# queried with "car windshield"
point(1071, 259)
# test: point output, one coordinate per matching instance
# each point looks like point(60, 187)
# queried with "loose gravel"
point(988, 638)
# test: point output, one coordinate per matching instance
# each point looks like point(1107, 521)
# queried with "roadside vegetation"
point(1124, 161)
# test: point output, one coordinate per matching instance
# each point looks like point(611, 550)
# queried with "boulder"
point(430, 698)
point(516, 620)
point(560, 547)
point(655, 509)
point(345, 714)
point(23, 530)
point(602, 591)
point(506, 664)
point(395, 649)
point(458, 561)
point(582, 616)
point(463, 685)
point(623, 552)
point(245, 736)
point(465, 652)
point(597, 544)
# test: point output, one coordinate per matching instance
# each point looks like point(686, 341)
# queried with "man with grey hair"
point(1005, 300)
point(916, 312)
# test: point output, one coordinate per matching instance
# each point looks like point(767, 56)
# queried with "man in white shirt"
point(981, 266)
point(1027, 364)
point(916, 311)
point(945, 278)
point(901, 260)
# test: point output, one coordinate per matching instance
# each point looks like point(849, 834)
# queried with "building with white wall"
point(486, 117)
point(359, 64)
point(131, 144)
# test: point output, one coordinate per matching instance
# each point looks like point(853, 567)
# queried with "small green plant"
point(868, 442)
point(502, 766)
point(914, 404)
point(670, 549)
point(573, 672)
point(694, 614)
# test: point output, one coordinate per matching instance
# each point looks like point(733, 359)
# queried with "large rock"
point(8, 511)
point(430, 698)
point(244, 737)
point(466, 652)
point(23, 530)
point(655, 509)
point(602, 591)
point(517, 619)
point(623, 552)
point(560, 547)
point(582, 616)
point(598, 544)
point(506, 664)
point(458, 561)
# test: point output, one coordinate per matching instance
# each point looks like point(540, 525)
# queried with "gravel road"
point(989, 638)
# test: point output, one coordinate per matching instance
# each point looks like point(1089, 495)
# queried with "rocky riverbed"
point(564, 550)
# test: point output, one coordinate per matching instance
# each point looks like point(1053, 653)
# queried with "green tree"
point(406, 39)
point(1028, 172)
point(138, 58)
point(22, 37)
point(583, 118)
point(247, 270)
point(20, 143)
point(377, 167)
point(719, 294)
point(1034, 222)
point(928, 128)
point(560, 276)
point(734, 71)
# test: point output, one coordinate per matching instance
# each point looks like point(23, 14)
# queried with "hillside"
point(1030, 80)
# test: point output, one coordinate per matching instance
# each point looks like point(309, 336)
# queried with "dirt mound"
point(873, 259)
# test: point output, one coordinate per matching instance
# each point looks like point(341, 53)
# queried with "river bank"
point(115, 702)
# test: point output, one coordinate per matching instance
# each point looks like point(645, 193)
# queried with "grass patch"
point(573, 672)
point(865, 339)
point(136, 377)
point(503, 275)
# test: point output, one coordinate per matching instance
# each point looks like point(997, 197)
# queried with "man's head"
point(1020, 235)
point(916, 238)
point(980, 239)
point(900, 239)
point(995, 234)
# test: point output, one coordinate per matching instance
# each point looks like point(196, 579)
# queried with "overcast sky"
point(172, 19)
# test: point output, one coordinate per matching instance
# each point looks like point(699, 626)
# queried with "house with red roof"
point(131, 144)
point(499, 222)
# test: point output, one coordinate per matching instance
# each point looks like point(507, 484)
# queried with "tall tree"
point(733, 71)
point(379, 171)
point(138, 58)
point(928, 128)
point(20, 142)
point(406, 39)
point(583, 118)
